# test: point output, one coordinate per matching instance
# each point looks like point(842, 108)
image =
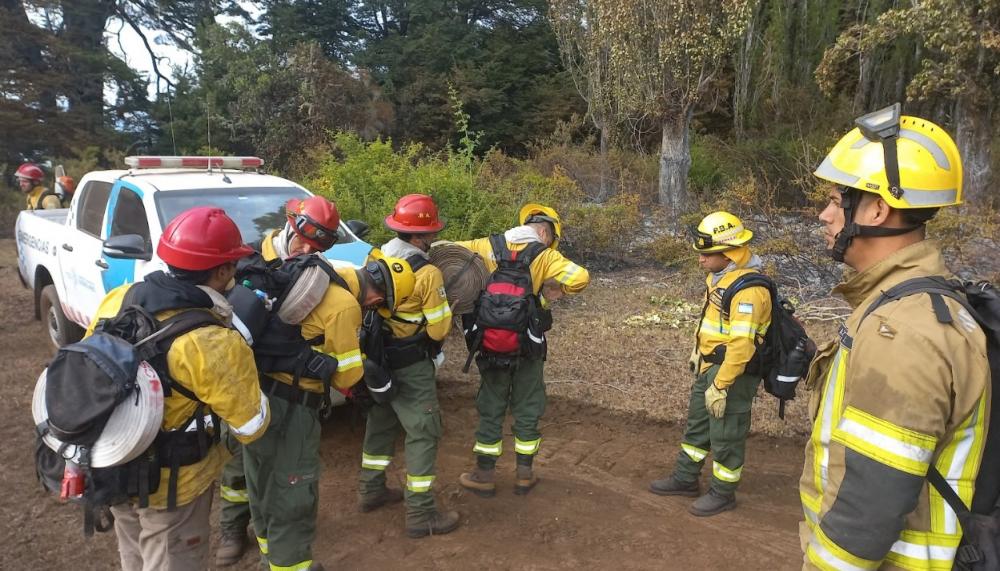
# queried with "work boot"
point(232, 545)
point(438, 524)
point(315, 567)
point(713, 503)
point(526, 480)
point(671, 486)
point(481, 481)
point(385, 497)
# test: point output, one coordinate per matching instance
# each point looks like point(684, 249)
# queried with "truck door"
point(80, 259)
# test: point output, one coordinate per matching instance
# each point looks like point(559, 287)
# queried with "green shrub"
point(596, 230)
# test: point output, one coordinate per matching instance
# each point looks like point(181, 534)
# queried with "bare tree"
point(661, 59)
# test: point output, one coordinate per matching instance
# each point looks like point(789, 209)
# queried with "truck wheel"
point(61, 330)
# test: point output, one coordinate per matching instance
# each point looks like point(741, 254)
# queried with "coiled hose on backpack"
point(465, 274)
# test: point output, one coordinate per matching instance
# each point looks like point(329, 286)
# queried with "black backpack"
point(87, 380)
point(279, 347)
point(980, 548)
point(782, 357)
point(508, 319)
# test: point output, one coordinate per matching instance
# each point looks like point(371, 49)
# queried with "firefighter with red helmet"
point(213, 371)
point(29, 179)
point(311, 226)
point(417, 328)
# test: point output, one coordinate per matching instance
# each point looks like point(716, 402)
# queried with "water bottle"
point(794, 368)
point(73, 482)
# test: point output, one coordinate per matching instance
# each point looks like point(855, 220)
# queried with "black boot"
point(671, 486)
point(713, 503)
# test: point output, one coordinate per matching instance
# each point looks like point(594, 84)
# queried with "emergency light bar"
point(147, 162)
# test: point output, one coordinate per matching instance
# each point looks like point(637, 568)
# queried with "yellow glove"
point(715, 400)
point(694, 361)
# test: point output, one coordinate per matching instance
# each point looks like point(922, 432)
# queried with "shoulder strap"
point(172, 328)
point(754, 279)
point(530, 252)
point(41, 198)
point(935, 286)
point(334, 276)
point(417, 261)
point(500, 249)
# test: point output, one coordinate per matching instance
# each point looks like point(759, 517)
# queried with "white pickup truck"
point(72, 257)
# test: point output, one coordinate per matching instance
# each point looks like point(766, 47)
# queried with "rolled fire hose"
point(465, 274)
point(130, 430)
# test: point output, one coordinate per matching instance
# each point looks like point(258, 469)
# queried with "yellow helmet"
point(908, 161)
point(718, 232)
point(393, 276)
point(540, 213)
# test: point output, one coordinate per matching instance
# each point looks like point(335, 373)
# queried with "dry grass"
point(597, 356)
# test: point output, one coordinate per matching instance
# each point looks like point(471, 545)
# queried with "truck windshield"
point(256, 211)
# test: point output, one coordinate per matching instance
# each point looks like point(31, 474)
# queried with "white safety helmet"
point(130, 430)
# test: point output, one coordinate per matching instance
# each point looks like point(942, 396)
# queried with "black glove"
point(361, 397)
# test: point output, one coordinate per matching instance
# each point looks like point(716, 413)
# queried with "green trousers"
point(234, 515)
point(520, 388)
point(416, 411)
point(725, 437)
point(282, 471)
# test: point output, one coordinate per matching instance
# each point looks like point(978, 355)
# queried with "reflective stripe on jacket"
point(895, 394)
point(748, 320)
point(337, 318)
point(427, 305)
point(217, 365)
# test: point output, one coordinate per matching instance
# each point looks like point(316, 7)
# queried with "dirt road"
point(590, 511)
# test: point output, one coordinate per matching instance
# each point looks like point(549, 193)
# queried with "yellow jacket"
point(895, 394)
point(337, 318)
point(748, 320)
point(216, 364)
point(49, 202)
point(549, 264)
point(427, 306)
point(267, 250)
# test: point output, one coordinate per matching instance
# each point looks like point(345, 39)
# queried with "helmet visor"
point(313, 231)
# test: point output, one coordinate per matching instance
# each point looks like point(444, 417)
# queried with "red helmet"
point(30, 171)
point(201, 238)
point(415, 214)
point(315, 220)
point(67, 184)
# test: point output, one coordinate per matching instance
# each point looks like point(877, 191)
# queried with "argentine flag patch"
point(745, 307)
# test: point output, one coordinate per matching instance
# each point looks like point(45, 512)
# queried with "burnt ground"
point(615, 416)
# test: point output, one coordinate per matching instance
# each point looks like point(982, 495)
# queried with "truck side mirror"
point(127, 247)
point(358, 228)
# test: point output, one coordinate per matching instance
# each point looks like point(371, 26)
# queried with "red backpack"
point(507, 311)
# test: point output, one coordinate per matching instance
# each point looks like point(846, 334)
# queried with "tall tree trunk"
point(743, 64)
point(974, 137)
point(605, 191)
point(675, 161)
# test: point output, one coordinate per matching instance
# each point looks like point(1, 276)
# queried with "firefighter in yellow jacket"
point(514, 379)
point(412, 350)
point(214, 365)
point(311, 226)
point(37, 197)
point(282, 468)
point(901, 390)
point(719, 410)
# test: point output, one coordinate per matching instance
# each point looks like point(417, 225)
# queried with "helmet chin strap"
point(850, 200)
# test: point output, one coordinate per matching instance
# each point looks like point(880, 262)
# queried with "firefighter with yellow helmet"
point(904, 391)
point(511, 363)
point(282, 468)
point(727, 337)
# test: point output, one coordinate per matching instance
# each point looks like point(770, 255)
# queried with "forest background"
point(632, 117)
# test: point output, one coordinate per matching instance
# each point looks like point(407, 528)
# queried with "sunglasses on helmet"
point(312, 230)
point(702, 241)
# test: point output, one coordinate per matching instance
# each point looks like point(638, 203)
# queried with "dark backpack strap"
point(41, 198)
point(173, 327)
point(947, 493)
point(743, 282)
point(936, 286)
point(500, 250)
point(417, 261)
